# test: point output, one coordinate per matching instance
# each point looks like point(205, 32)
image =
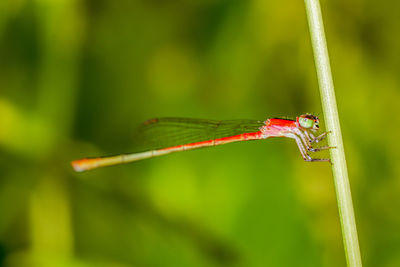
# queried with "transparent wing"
point(167, 132)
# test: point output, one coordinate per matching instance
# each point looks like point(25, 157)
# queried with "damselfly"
point(166, 135)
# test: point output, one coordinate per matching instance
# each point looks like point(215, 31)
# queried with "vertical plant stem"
point(339, 168)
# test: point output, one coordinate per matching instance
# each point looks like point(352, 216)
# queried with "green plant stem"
point(339, 168)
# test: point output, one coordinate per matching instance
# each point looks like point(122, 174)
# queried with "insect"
point(167, 135)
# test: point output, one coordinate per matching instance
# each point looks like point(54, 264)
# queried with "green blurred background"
point(77, 77)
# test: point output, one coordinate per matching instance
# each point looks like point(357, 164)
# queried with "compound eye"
point(306, 123)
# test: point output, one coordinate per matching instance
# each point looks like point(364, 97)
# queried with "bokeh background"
point(77, 77)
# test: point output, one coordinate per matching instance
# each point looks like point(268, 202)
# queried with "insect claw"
point(311, 149)
point(319, 159)
point(320, 137)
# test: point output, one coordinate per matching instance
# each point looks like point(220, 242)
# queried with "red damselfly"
point(166, 135)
